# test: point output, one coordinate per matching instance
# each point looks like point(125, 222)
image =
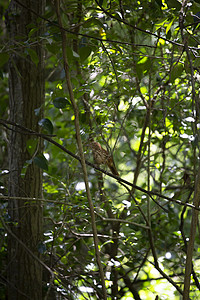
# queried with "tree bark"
point(26, 93)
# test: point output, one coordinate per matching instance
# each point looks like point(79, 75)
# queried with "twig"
point(152, 246)
point(195, 277)
point(169, 279)
point(95, 37)
point(81, 152)
point(122, 221)
point(111, 60)
point(135, 27)
point(190, 246)
point(152, 193)
point(106, 40)
point(25, 247)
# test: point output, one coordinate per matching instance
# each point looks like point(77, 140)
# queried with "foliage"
point(135, 74)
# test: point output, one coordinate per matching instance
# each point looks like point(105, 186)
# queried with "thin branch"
point(112, 62)
point(25, 247)
point(167, 277)
point(6, 282)
point(81, 152)
point(152, 245)
point(123, 221)
point(107, 40)
point(190, 246)
point(135, 27)
point(152, 193)
point(83, 34)
point(181, 228)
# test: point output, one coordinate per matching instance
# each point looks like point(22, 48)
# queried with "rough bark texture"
point(26, 92)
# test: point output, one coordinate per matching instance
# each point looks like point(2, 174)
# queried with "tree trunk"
point(26, 92)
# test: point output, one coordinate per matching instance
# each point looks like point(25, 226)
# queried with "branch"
point(84, 34)
point(111, 61)
point(167, 277)
point(81, 152)
point(25, 130)
point(181, 227)
point(190, 246)
point(107, 40)
point(25, 247)
point(153, 249)
point(122, 221)
point(137, 28)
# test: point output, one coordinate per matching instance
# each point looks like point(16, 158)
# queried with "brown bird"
point(102, 156)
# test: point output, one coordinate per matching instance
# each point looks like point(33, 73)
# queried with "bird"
point(102, 156)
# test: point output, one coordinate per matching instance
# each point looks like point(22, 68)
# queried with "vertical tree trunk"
point(26, 91)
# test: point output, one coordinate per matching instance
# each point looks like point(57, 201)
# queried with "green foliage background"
point(135, 75)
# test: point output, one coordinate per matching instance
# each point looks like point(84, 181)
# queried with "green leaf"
point(33, 55)
point(176, 72)
point(169, 25)
point(159, 2)
point(60, 102)
point(143, 66)
point(69, 53)
point(91, 22)
point(197, 62)
point(84, 53)
point(31, 145)
point(25, 167)
point(32, 31)
point(53, 48)
point(3, 58)
point(46, 124)
point(41, 162)
point(174, 4)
